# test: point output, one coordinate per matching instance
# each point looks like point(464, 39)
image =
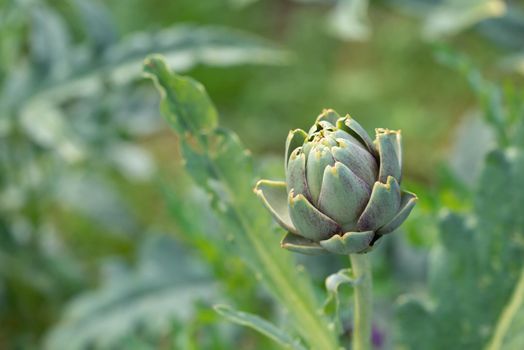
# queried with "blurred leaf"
point(63, 105)
point(513, 63)
point(46, 126)
point(349, 20)
point(184, 46)
point(218, 163)
point(475, 269)
point(136, 111)
point(37, 275)
point(12, 21)
point(474, 139)
point(260, 325)
point(490, 95)
point(506, 31)
point(187, 202)
point(164, 286)
point(453, 16)
point(48, 268)
point(98, 23)
point(133, 161)
point(49, 40)
point(94, 197)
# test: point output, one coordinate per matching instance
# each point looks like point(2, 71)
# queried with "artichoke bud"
point(342, 189)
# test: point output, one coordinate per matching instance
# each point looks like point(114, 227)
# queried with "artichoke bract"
point(342, 189)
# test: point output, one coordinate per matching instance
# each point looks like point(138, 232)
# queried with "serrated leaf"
point(220, 165)
point(185, 103)
point(260, 325)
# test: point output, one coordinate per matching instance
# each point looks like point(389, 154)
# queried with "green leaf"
point(489, 95)
point(184, 47)
point(98, 23)
point(451, 17)
point(183, 99)
point(95, 198)
point(220, 165)
point(260, 325)
point(164, 287)
point(332, 303)
point(49, 39)
point(47, 126)
point(476, 269)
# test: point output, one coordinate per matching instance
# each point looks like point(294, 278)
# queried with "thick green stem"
point(363, 305)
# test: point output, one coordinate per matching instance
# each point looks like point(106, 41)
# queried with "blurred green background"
point(95, 205)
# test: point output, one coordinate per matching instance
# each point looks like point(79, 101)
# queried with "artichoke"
point(342, 190)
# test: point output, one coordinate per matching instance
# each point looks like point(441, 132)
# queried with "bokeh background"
point(96, 249)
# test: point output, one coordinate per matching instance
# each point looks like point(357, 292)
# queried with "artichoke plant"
point(342, 190)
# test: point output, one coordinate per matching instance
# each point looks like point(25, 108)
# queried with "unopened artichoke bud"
point(342, 189)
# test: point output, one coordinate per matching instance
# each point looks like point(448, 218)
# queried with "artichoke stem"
point(363, 302)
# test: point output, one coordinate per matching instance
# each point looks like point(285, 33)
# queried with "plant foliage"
point(477, 271)
point(219, 164)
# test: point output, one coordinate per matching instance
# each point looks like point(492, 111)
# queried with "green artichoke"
point(342, 190)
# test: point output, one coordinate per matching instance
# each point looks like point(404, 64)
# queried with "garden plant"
point(361, 189)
